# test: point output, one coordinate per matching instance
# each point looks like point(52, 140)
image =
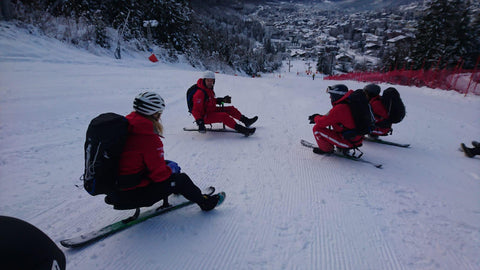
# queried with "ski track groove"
point(390, 260)
point(330, 239)
point(225, 247)
point(377, 241)
point(326, 240)
point(263, 246)
point(231, 243)
point(460, 262)
point(332, 256)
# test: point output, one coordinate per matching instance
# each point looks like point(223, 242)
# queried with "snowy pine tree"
point(443, 36)
point(475, 36)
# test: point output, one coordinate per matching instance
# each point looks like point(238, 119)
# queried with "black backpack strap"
point(384, 123)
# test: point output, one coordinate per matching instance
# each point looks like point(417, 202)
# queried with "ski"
point(212, 130)
point(338, 154)
point(386, 142)
point(108, 230)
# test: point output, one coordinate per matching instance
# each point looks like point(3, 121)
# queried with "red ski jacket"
point(143, 154)
point(339, 117)
point(379, 111)
point(201, 105)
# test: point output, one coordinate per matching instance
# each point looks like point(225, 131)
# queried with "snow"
point(286, 207)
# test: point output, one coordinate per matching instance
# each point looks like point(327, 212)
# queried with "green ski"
point(108, 230)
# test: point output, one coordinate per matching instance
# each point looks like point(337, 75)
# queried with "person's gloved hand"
point(201, 126)
point(227, 99)
point(174, 166)
point(312, 118)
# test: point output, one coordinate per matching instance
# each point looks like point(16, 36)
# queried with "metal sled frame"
point(137, 211)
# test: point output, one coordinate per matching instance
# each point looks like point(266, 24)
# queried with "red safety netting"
point(458, 79)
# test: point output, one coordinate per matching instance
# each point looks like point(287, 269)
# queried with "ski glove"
point(201, 126)
point(173, 165)
point(225, 99)
point(312, 118)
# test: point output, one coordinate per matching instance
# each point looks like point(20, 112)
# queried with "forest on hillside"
point(231, 35)
point(209, 34)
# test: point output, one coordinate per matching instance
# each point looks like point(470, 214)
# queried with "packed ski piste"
point(184, 168)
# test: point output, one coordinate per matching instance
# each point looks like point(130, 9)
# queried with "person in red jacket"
point(383, 126)
point(145, 177)
point(206, 111)
point(329, 129)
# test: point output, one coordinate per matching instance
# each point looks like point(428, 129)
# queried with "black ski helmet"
point(337, 91)
point(372, 90)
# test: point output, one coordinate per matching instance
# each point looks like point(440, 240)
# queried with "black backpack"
point(393, 104)
point(190, 92)
point(362, 114)
point(106, 137)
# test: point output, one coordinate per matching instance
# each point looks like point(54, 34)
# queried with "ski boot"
point(468, 151)
point(244, 130)
point(248, 121)
point(211, 201)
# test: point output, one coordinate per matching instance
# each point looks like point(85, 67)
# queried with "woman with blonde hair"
point(145, 177)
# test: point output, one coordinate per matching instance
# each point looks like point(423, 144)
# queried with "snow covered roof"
point(397, 39)
point(152, 23)
point(344, 56)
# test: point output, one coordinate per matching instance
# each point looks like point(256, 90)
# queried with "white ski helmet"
point(148, 103)
point(208, 75)
point(337, 91)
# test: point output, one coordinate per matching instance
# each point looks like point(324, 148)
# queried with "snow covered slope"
point(286, 207)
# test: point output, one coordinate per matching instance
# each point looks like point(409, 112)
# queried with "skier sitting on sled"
point(330, 129)
point(145, 177)
point(387, 109)
point(383, 126)
point(205, 110)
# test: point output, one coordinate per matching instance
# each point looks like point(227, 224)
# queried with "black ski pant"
point(178, 183)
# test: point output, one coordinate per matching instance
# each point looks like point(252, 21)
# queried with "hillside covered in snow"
point(286, 207)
